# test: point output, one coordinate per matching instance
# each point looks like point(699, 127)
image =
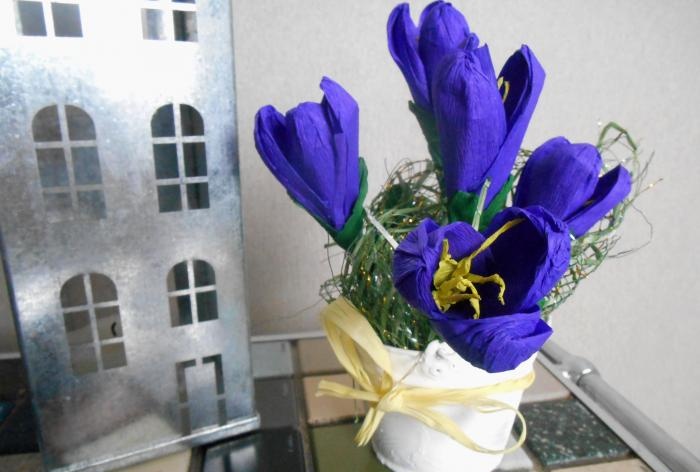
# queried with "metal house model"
point(120, 224)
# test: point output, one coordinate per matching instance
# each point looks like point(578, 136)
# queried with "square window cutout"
point(198, 196)
point(78, 327)
point(180, 310)
point(31, 18)
point(53, 171)
point(86, 166)
point(195, 159)
point(108, 322)
point(152, 24)
point(66, 20)
point(207, 309)
point(169, 198)
point(165, 156)
point(185, 24)
point(113, 355)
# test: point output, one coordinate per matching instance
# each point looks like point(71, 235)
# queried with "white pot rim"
point(440, 366)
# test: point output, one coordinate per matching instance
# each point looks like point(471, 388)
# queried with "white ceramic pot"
point(404, 444)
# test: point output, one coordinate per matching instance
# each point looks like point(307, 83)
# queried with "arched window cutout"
point(179, 154)
point(192, 293)
point(61, 20)
point(90, 309)
point(68, 163)
point(170, 19)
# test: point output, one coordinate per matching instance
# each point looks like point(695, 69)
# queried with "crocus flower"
point(313, 151)
point(481, 127)
point(480, 291)
point(564, 178)
point(418, 50)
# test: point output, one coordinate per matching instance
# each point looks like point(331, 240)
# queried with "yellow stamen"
point(506, 88)
point(454, 281)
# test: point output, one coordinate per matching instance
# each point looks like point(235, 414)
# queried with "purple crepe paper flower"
point(564, 178)
point(419, 50)
point(530, 257)
point(480, 128)
point(313, 151)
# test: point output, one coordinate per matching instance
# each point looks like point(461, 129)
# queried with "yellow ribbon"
point(361, 352)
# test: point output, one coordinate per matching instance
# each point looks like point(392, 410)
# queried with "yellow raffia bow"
point(361, 352)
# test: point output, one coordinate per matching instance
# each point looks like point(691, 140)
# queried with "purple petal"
point(343, 116)
point(612, 188)
point(496, 344)
point(472, 42)
point(311, 153)
point(463, 239)
point(484, 56)
point(271, 142)
point(531, 257)
point(426, 11)
point(417, 256)
point(560, 176)
point(403, 45)
point(470, 119)
point(525, 76)
point(414, 264)
point(443, 30)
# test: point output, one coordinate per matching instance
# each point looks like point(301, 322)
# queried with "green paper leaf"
point(462, 207)
point(497, 204)
point(353, 226)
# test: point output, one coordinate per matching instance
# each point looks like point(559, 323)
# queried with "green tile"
point(565, 433)
point(335, 450)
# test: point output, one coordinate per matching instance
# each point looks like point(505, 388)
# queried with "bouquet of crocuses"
point(491, 237)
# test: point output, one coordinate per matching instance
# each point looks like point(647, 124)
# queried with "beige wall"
point(632, 61)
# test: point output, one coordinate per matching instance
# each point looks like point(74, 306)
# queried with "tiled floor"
point(265, 451)
point(272, 359)
point(630, 465)
point(179, 461)
point(316, 357)
point(301, 431)
point(546, 387)
point(277, 402)
point(331, 443)
point(325, 409)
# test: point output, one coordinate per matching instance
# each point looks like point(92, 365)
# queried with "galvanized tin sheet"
point(114, 377)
